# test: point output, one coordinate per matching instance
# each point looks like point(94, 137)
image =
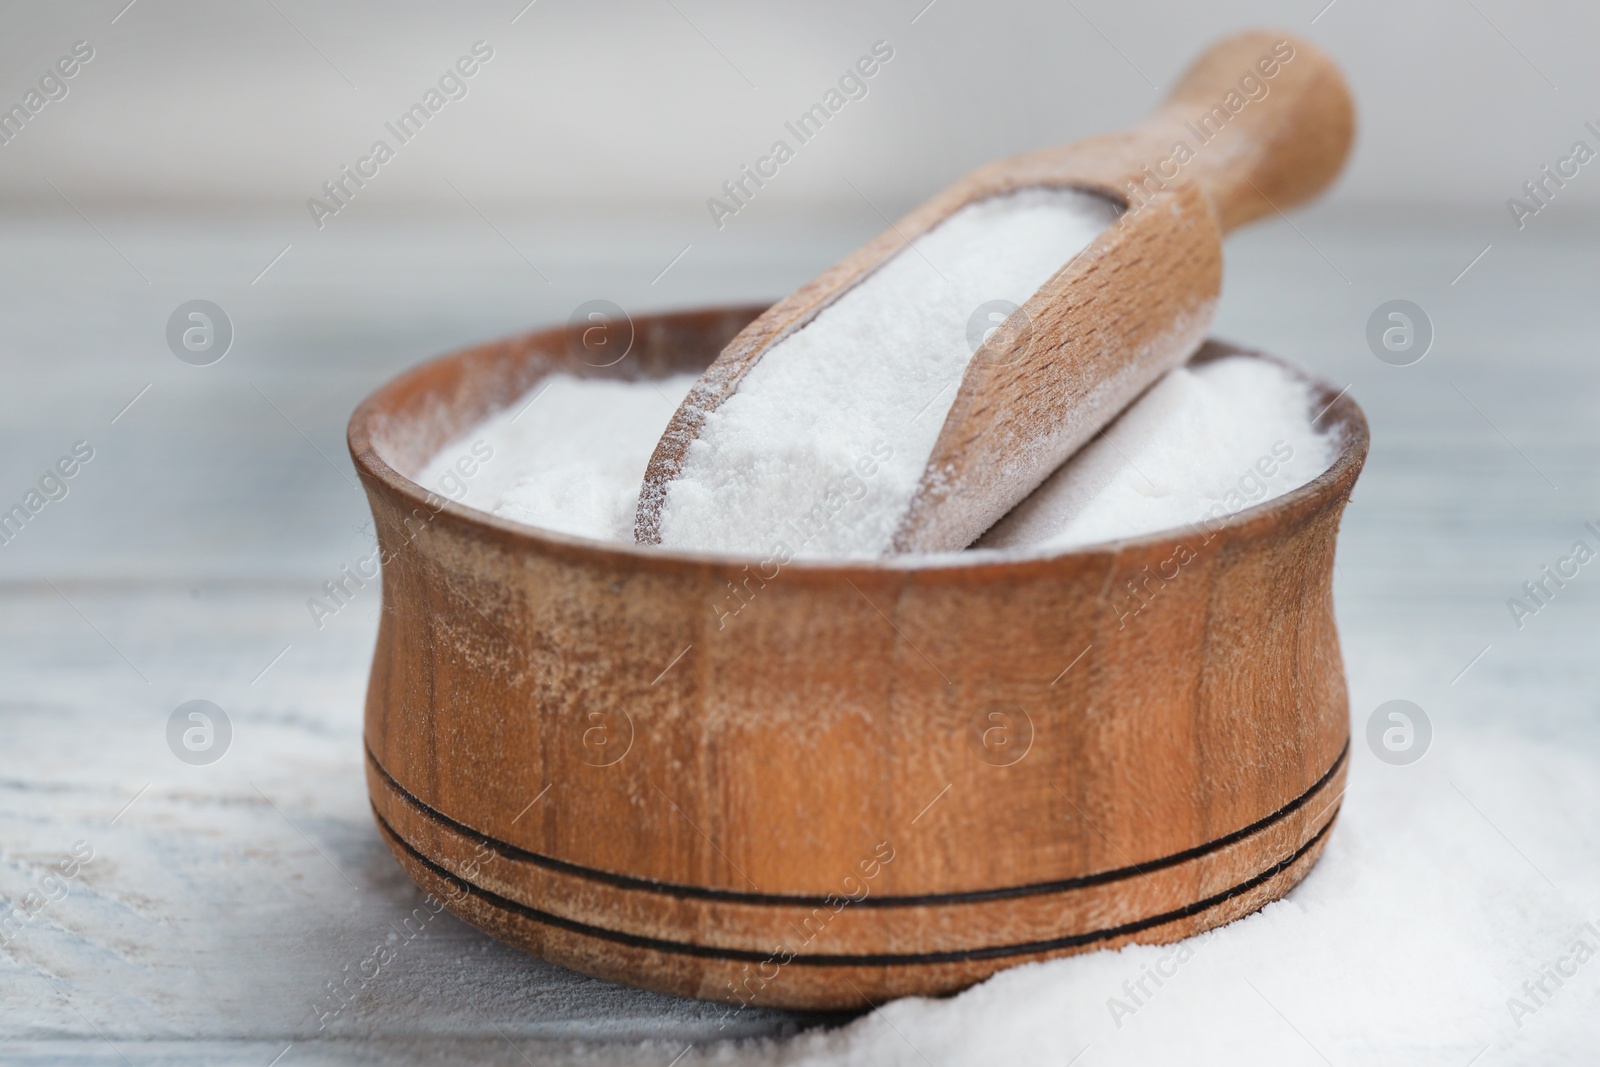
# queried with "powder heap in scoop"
point(839, 418)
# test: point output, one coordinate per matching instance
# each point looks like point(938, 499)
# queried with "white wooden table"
point(221, 900)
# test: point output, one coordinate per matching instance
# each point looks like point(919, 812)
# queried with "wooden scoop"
point(1262, 121)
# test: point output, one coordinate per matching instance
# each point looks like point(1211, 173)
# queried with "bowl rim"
point(1347, 423)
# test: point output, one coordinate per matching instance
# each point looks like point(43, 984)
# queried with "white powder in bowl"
point(569, 455)
point(1204, 442)
point(866, 385)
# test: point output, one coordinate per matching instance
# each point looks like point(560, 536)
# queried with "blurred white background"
point(191, 105)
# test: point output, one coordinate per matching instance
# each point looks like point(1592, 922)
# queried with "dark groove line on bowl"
point(863, 959)
point(623, 881)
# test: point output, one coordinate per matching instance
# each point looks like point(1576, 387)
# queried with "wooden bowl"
point(840, 782)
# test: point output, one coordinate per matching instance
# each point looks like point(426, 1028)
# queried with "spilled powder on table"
point(1413, 942)
point(866, 386)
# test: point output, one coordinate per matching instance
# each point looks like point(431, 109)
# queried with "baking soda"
point(866, 385)
point(568, 456)
point(1205, 441)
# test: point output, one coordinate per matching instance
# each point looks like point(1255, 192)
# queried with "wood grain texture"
point(873, 779)
point(1284, 144)
point(1130, 307)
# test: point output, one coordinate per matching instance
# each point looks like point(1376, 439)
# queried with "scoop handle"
point(1262, 121)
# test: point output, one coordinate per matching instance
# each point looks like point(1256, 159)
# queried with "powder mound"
point(819, 451)
point(1205, 441)
point(568, 456)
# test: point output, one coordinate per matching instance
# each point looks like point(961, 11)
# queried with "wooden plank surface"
point(222, 899)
